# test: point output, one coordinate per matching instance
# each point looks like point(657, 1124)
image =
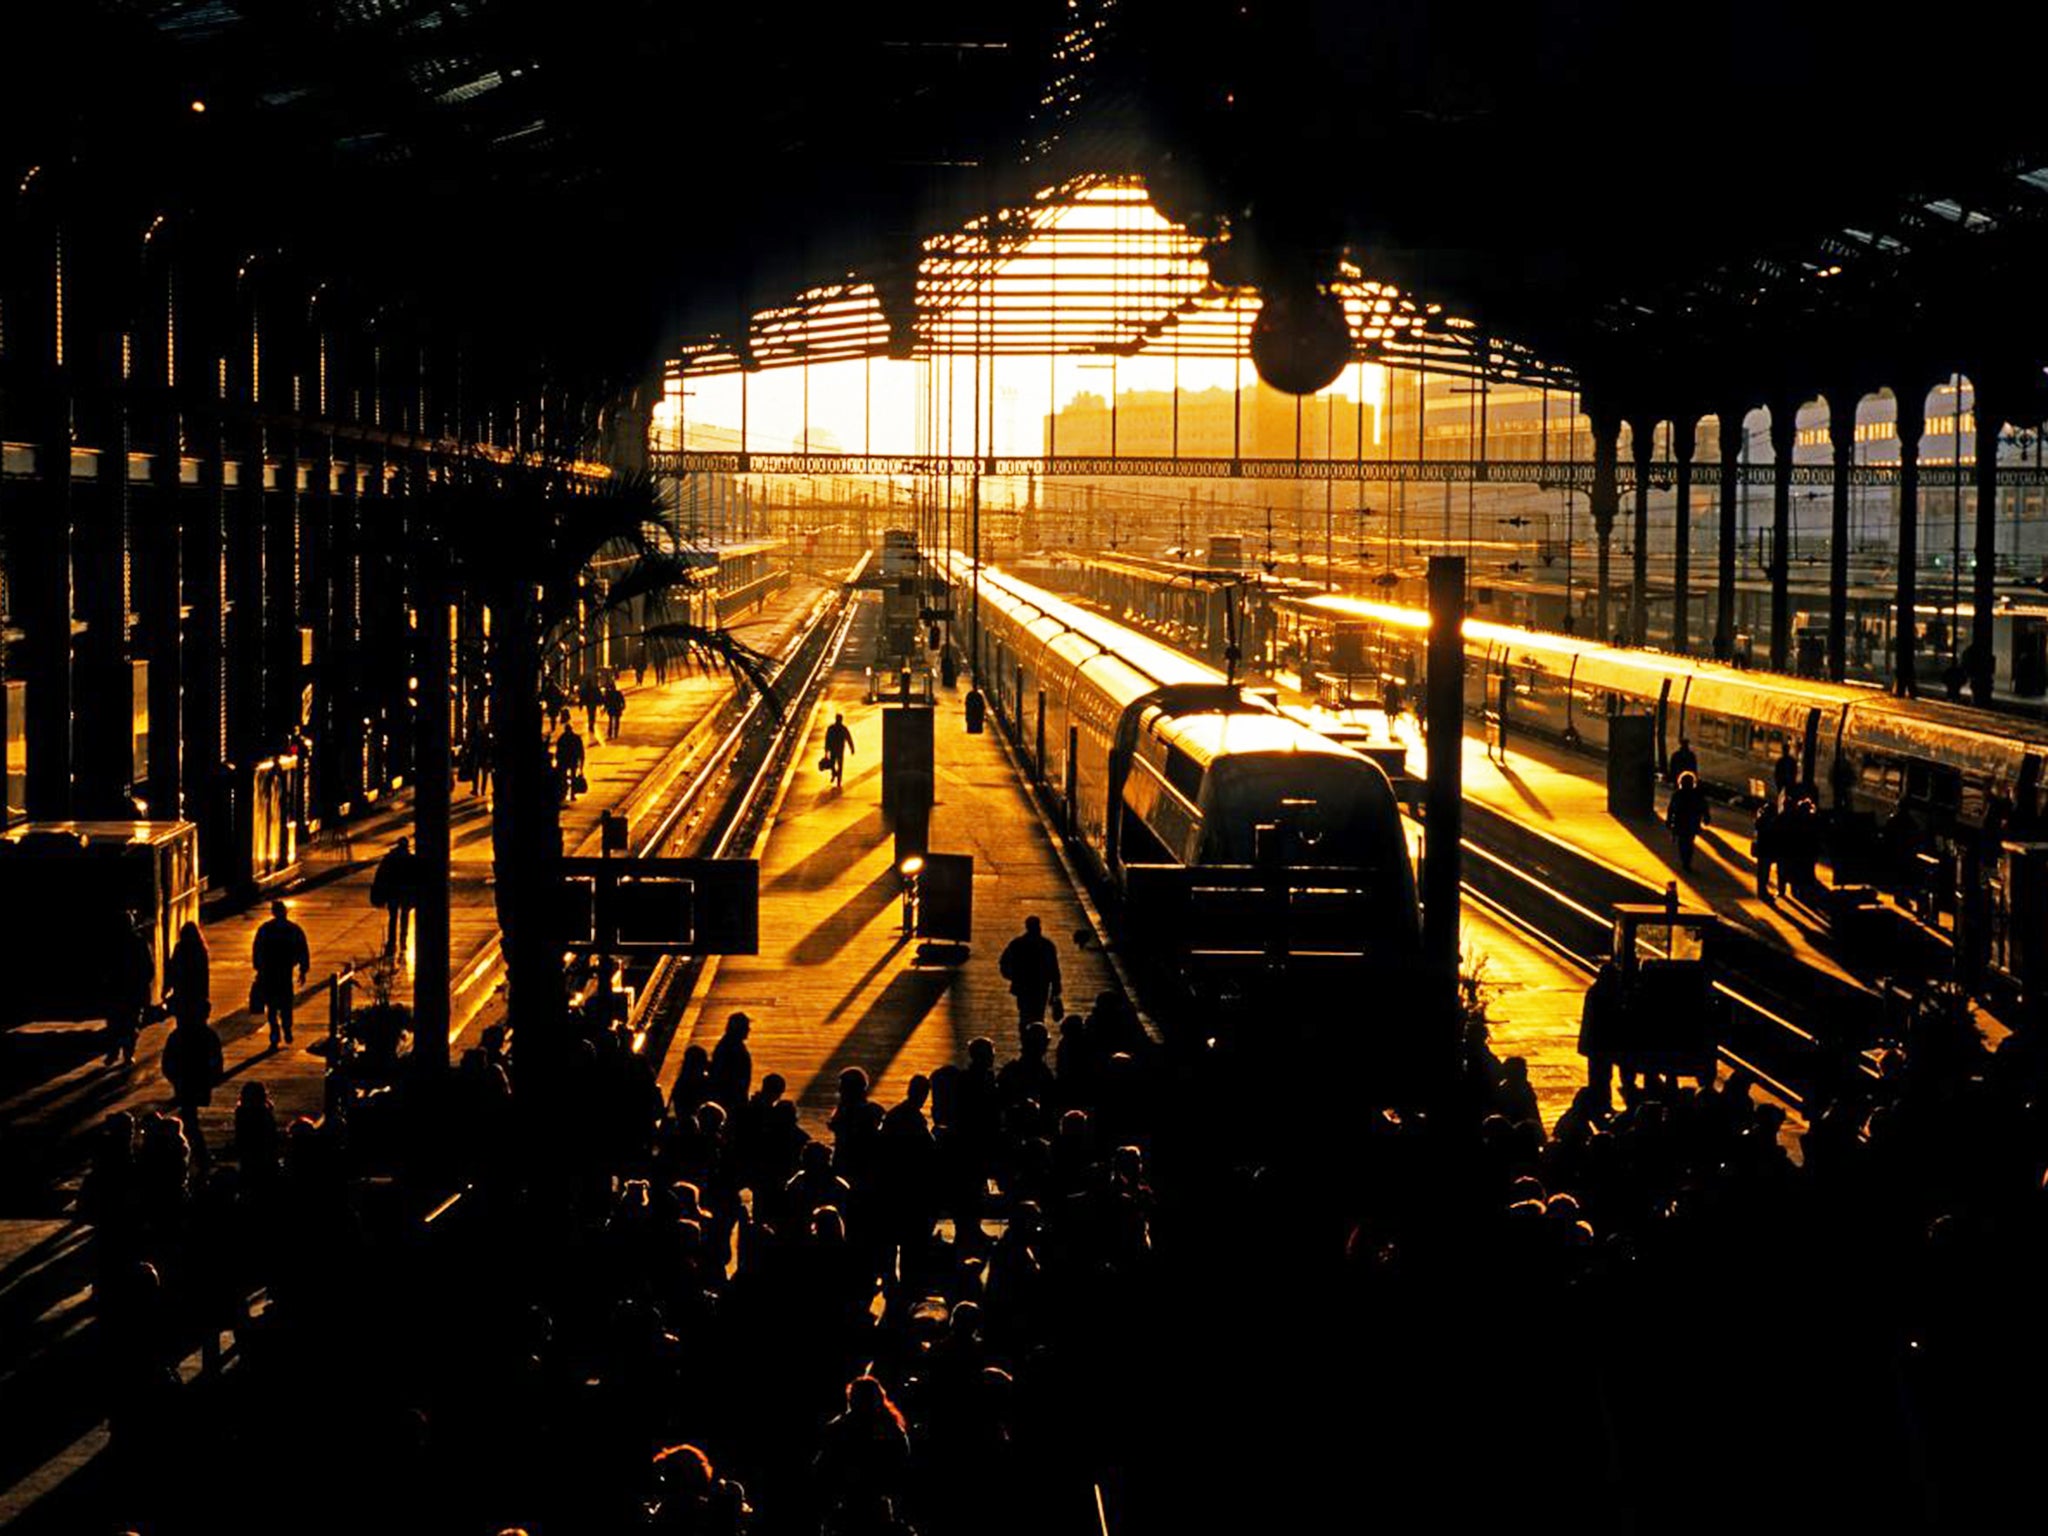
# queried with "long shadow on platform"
point(1521, 787)
point(837, 931)
point(873, 1043)
point(833, 857)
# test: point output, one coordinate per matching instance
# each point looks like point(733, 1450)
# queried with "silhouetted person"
point(838, 742)
point(976, 710)
point(259, 1144)
point(396, 888)
point(591, 697)
point(1785, 771)
point(1031, 965)
point(188, 976)
point(732, 1065)
point(1683, 761)
point(132, 985)
point(278, 953)
point(1842, 780)
point(1763, 845)
point(477, 756)
point(614, 708)
point(192, 1065)
point(1953, 677)
point(1685, 815)
point(569, 762)
point(1600, 1026)
point(684, 1481)
point(1798, 846)
point(866, 1450)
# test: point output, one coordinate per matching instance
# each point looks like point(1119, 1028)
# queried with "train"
point(1155, 759)
point(1874, 752)
point(1945, 763)
point(899, 553)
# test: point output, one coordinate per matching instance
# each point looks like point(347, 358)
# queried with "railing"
point(341, 1007)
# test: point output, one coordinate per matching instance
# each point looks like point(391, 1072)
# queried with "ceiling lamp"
point(1301, 340)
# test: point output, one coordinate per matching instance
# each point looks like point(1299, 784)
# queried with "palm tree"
point(525, 539)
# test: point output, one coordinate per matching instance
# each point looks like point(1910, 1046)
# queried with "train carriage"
point(1156, 760)
point(1940, 760)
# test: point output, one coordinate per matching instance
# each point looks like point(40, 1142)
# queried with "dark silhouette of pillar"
point(160, 595)
point(1842, 439)
point(38, 529)
point(103, 728)
point(1911, 416)
point(1784, 436)
point(316, 536)
point(1684, 438)
point(247, 738)
point(1444, 717)
point(279, 502)
point(204, 778)
point(1644, 440)
point(431, 769)
point(1730, 418)
point(1606, 503)
point(1988, 405)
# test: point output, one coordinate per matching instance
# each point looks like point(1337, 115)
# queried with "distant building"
point(1255, 423)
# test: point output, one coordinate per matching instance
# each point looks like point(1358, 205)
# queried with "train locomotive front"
point(1159, 767)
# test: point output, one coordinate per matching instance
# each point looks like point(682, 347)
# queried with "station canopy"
point(1720, 188)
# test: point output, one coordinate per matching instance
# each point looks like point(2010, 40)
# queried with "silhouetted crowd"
point(1206, 1283)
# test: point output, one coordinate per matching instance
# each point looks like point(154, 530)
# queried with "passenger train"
point(1940, 760)
point(1155, 758)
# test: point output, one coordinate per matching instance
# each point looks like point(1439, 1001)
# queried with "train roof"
point(1708, 676)
point(100, 834)
point(1161, 663)
point(1210, 734)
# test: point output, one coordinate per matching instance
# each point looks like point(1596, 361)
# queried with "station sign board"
point(662, 906)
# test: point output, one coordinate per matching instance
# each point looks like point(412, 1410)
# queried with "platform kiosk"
point(1669, 1019)
point(71, 891)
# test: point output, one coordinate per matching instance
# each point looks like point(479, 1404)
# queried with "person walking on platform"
point(188, 977)
point(838, 742)
point(280, 951)
point(591, 697)
point(1683, 761)
point(1763, 845)
point(1785, 771)
point(614, 708)
point(1798, 847)
point(395, 888)
point(1031, 965)
point(133, 981)
point(476, 754)
point(569, 762)
point(192, 1062)
point(1686, 814)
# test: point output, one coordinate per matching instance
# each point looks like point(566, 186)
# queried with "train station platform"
point(54, 1086)
point(837, 983)
point(1564, 795)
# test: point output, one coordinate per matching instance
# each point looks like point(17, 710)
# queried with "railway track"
point(1780, 1053)
point(722, 809)
point(1780, 1008)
